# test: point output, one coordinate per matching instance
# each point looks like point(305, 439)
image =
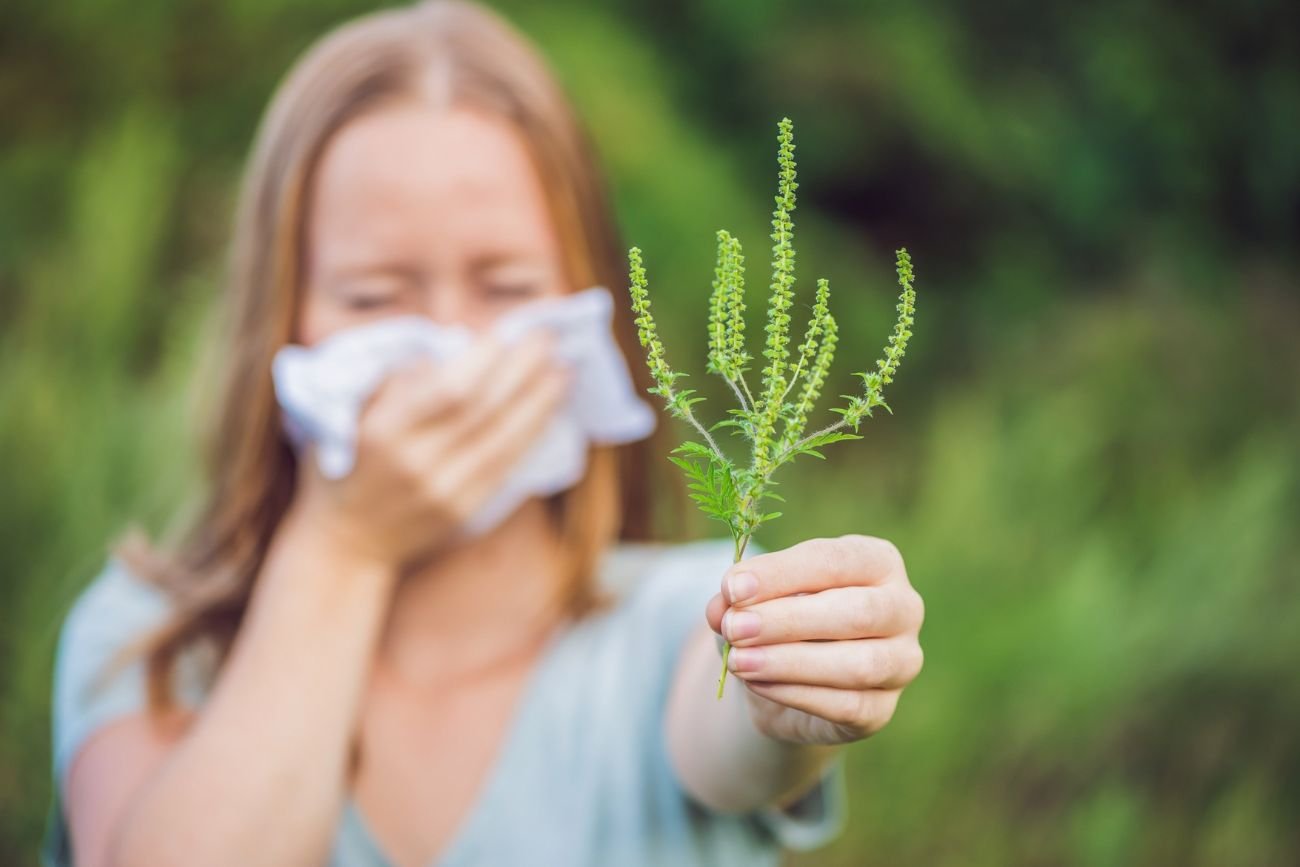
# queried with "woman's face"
point(425, 211)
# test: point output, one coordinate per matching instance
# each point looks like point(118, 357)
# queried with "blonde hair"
point(479, 61)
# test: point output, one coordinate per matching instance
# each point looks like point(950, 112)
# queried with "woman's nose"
point(448, 304)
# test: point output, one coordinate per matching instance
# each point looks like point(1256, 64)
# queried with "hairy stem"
point(695, 423)
point(748, 393)
point(739, 395)
point(794, 447)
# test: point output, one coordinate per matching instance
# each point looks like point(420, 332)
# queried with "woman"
point(325, 670)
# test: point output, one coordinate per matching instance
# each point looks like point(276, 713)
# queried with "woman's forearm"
point(259, 778)
point(720, 757)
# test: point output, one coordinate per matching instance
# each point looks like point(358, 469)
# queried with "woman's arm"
point(824, 638)
point(258, 777)
point(718, 753)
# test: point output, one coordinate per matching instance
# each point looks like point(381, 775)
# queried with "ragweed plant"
point(774, 420)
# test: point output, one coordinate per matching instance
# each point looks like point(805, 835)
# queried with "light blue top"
point(582, 776)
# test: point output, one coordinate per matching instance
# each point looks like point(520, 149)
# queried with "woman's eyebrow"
point(487, 261)
point(401, 271)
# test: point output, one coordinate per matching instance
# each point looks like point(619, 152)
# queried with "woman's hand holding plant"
point(824, 634)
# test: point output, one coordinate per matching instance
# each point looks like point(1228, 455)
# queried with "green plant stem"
point(740, 396)
point(742, 542)
point(726, 652)
point(700, 429)
point(830, 428)
point(745, 386)
point(687, 416)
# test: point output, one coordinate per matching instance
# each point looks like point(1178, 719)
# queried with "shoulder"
point(98, 673)
point(644, 571)
point(661, 590)
point(115, 610)
point(115, 605)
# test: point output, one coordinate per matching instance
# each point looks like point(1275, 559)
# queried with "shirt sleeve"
point(680, 586)
point(815, 819)
point(96, 679)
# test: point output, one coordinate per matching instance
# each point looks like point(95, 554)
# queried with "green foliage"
point(1097, 493)
point(1108, 578)
point(723, 490)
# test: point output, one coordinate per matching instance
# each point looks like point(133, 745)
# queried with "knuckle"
point(862, 612)
point(874, 710)
point(779, 623)
point(917, 663)
point(887, 554)
point(864, 670)
point(915, 608)
point(861, 712)
point(889, 706)
point(834, 557)
point(864, 711)
point(860, 540)
point(849, 554)
point(845, 711)
point(882, 665)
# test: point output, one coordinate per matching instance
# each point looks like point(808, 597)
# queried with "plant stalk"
point(741, 543)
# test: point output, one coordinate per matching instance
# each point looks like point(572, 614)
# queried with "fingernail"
point(741, 586)
point(738, 625)
point(745, 659)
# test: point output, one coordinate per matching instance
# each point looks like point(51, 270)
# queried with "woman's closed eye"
point(511, 291)
point(363, 302)
point(377, 291)
point(505, 280)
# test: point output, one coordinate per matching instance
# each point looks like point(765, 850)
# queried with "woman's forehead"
point(410, 169)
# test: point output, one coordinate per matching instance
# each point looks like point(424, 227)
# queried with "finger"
point(425, 389)
point(837, 613)
point(863, 712)
point(518, 368)
point(817, 564)
point(500, 447)
point(714, 611)
point(864, 663)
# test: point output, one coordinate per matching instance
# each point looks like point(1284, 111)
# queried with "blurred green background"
point(1094, 469)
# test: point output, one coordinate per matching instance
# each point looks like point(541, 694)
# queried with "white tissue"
point(323, 388)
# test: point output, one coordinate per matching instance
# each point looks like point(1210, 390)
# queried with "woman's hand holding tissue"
point(433, 444)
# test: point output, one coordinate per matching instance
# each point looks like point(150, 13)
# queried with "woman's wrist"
point(318, 537)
